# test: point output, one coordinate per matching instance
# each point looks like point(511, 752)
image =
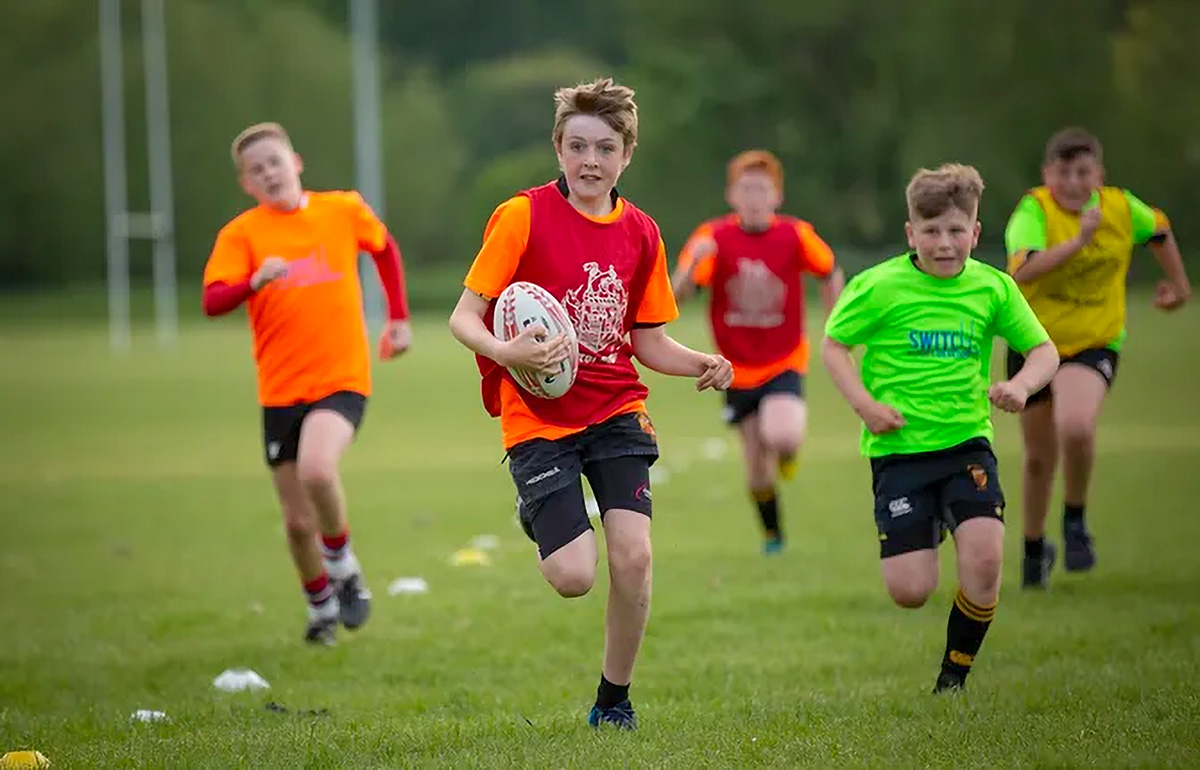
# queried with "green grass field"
point(143, 555)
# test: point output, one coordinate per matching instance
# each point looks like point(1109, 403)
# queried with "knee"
point(781, 440)
point(1039, 464)
point(985, 565)
point(316, 473)
point(630, 562)
point(785, 443)
point(1077, 433)
point(911, 593)
point(571, 580)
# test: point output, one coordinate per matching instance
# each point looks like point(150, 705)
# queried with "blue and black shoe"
point(773, 546)
point(1080, 554)
point(1035, 573)
point(620, 716)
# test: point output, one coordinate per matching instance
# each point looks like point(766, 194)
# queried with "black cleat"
point(1080, 555)
point(354, 599)
point(950, 681)
point(1035, 572)
point(620, 716)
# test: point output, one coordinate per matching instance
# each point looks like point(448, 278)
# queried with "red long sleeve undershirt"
point(220, 297)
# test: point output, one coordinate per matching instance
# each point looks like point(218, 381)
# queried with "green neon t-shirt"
point(928, 346)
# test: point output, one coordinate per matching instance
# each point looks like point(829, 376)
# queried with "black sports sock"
point(1073, 513)
point(609, 694)
point(768, 510)
point(964, 633)
point(1035, 548)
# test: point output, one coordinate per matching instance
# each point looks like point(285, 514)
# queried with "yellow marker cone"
point(470, 557)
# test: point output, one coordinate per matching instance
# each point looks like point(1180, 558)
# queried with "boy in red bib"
point(604, 260)
point(753, 261)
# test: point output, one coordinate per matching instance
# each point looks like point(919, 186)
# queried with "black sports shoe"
point(1080, 555)
point(354, 599)
point(950, 681)
point(1035, 572)
point(620, 716)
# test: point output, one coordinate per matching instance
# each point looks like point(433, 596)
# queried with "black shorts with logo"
point(1102, 360)
point(281, 424)
point(740, 404)
point(919, 497)
point(614, 455)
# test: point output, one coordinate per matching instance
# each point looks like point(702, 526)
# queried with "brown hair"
point(953, 185)
point(602, 98)
point(250, 135)
point(756, 160)
point(1069, 143)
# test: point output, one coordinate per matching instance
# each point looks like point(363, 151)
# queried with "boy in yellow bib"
point(1069, 246)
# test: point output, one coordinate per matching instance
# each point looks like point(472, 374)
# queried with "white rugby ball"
point(525, 304)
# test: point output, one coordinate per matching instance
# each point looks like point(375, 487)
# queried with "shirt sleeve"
point(368, 229)
point(856, 312)
point(504, 242)
point(815, 255)
point(1015, 321)
point(1148, 222)
point(1025, 233)
point(658, 302)
point(703, 270)
point(231, 260)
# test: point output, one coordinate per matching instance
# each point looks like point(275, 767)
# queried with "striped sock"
point(319, 590)
point(964, 633)
point(333, 547)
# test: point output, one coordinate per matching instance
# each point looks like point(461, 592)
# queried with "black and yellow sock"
point(1073, 514)
point(964, 633)
point(768, 510)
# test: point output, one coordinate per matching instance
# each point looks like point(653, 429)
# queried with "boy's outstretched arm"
point(879, 418)
point(657, 351)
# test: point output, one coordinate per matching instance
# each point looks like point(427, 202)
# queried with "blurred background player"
point(613, 282)
point(753, 261)
point(294, 259)
point(926, 320)
point(1070, 242)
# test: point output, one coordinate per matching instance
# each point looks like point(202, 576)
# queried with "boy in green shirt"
point(927, 319)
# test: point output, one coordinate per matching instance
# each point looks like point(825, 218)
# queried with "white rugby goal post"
point(158, 224)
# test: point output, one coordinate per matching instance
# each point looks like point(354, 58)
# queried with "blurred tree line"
point(854, 95)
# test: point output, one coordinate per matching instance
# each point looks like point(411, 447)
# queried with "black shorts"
point(919, 497)
point(740, 404)
point(615, 455)
point(1103, 360)
point(281, 424)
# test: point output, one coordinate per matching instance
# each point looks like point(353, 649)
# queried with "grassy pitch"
point(143, 555)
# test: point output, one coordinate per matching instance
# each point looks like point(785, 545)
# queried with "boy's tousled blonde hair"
point(756, 160)
point(252, 134)
point(602, 98)
point(953, 185)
